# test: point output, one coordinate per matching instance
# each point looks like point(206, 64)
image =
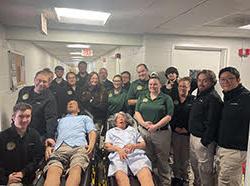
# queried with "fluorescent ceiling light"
point(75, 53)
point(77, 16)
point(77, 57)
point(245, 27)
point(78, 46)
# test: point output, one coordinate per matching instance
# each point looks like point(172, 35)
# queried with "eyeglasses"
point(223, 80)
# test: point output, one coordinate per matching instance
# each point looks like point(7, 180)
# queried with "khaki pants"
point(157, 149)
point(202, 162)
point(230, 162)
point(181, 155)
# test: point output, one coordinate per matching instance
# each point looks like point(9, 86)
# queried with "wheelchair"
point(88, 177)
point(111, 181)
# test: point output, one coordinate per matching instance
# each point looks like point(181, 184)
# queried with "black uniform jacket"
point(44, 114)
point(19, 154)
point(234, 124)
point(57, 90)
point(94, 100)
point(205, 116)
point(181, 113)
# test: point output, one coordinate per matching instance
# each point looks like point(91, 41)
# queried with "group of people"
point(68, 115)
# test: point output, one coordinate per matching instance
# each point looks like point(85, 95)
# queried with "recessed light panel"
point(77, 16)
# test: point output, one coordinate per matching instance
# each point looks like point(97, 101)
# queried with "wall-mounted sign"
point(244, 52)
point(87, 52)
point(43, 25)
point(17, 70)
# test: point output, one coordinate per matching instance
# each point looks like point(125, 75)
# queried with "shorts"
point(67, 157)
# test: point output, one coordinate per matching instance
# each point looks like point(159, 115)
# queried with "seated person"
point(20, 149)
point(125, 144)
point(71, 149)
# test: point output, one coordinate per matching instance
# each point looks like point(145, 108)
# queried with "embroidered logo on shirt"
point(176, 102)
point(39, 103)
point(69, 92)
point(110, 95)
point(25, 96)
point(145, 100)
point(10, 146)
point(77, 79)
point(139, 87)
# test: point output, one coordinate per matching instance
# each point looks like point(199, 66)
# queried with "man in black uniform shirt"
point(234, 128)
point(56, 88)
point(82, 76)
point(44, 107)
point(203, 125)
point(20, 148)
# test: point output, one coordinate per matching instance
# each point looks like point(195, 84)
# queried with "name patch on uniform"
point(110, 95)
point(10, 146)
point(69, 92)
point(176, 102)
point(25, 96)
point(145, 100)
point(139, 87)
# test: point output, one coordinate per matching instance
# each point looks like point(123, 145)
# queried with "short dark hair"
point(117, 75)
point(70, 73)
point(59, 68)
point(21, 107)
point(210, 74)
point(126, 72)
point(82, 62)
point(231, 70)
point(171, 70)
point(142, 64)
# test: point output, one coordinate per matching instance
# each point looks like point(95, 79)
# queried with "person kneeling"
point(71, 150)
point(125, 144)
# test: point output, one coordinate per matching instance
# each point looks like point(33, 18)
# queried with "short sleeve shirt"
point(155, 110)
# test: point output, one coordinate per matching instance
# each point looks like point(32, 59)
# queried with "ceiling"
point(182, 17)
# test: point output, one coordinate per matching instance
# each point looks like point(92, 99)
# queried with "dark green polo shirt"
point(137, 88)
point(155, 110)
point(117, 102)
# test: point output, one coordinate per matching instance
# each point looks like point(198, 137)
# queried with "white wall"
point(35, 59)
point(157, 53)
point(130, 58)
point(159, 50)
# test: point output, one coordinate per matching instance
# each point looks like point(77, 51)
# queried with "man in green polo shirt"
point(138, 87)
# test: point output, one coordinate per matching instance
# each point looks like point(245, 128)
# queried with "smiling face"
point(103, 74)
point(94, 80)
point(228, 81)
point(71, 78)
point(183, 88)
point(142, 72)
point(117, 82)
point(154, 85)
point(172, 76)
point(22, 119)
point(203, 82)
point(41, 82)
point(120, 121)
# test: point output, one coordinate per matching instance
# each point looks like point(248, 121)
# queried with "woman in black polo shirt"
point(153, 112)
